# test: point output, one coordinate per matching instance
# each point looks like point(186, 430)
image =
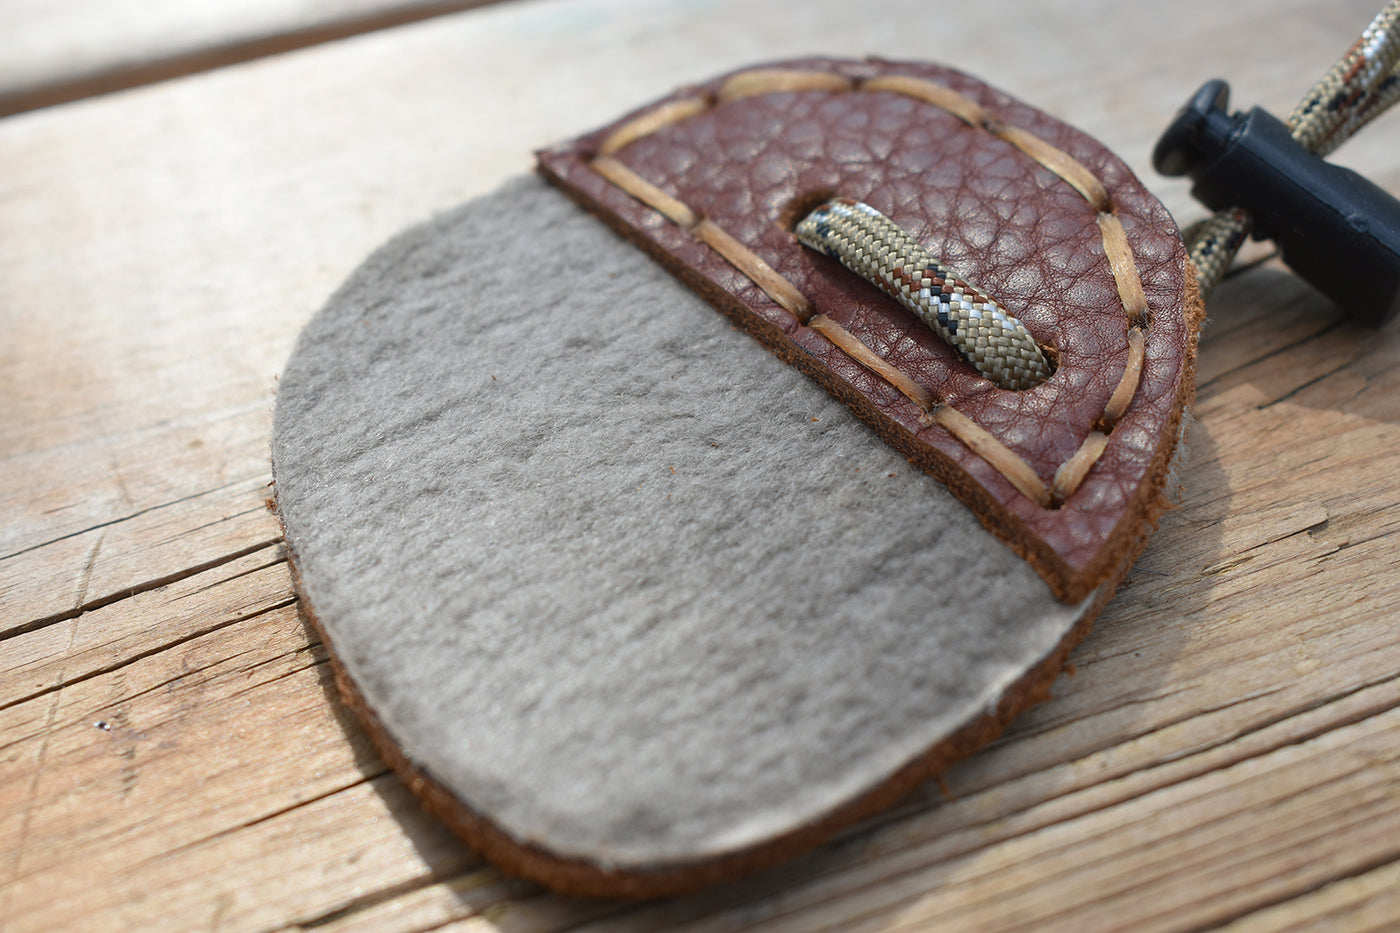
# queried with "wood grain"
point(172, 755)
point(64, 50)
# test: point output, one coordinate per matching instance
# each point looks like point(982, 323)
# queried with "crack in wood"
point(218, 521)
point(1306, 385)
point(135, 657)
point(1381, 861)
point(125, 518)
point(281, 558)
point(369, 901)
point(1203, 388)
point(313, 648)
point(268, 817)
point(87, 569)
point(143, 587)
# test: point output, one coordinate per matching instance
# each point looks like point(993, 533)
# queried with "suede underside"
point(632, 588)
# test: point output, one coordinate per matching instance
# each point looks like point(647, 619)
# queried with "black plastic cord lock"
point(1335, 229)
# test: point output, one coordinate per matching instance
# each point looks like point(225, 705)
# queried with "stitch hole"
point(802, 205)
point(1052, 358)
point(783, 292)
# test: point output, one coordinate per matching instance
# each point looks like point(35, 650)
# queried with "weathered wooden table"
point(172, 754)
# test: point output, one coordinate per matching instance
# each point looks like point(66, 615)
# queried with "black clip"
point(1335, 229)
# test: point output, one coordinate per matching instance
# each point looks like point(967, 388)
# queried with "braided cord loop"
point(880, 251)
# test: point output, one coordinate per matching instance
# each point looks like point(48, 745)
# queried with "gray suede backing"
point(631, 587)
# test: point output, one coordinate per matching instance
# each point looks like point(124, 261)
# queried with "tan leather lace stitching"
point(1072, 473)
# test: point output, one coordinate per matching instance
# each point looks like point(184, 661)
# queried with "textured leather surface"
point(988, 211)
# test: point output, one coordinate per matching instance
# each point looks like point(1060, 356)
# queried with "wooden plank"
point(63, 51)
point(1367, 902)
point(1226, 749)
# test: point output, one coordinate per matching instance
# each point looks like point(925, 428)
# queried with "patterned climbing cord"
point(880, 251)
point(1357, 89)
